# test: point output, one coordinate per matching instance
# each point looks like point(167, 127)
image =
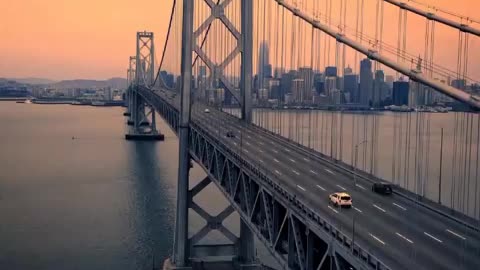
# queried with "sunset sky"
point(71, 39)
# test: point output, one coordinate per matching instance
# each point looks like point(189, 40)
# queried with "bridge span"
point(282, 194)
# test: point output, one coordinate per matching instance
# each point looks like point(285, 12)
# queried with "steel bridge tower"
point(187, 252)
point(143, 75)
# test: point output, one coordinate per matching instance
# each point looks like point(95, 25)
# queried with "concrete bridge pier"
point(142, 128)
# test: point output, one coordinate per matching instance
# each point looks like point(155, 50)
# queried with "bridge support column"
point(247, 58)
point(143, 129)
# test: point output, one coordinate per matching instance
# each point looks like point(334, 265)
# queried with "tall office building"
point(331, 72)
point(400, 93)
point(351, 87)
point(298, 86)
point(306, 74)
point(366, 82)
point(379, 93)
point(264, 68)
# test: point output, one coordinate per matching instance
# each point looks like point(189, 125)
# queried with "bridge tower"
point(130, 84)
point(139, 110)
point(240, 254)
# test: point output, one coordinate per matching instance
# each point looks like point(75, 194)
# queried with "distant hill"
point(32, 80)
point(116, 83)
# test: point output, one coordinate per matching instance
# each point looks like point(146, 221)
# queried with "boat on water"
point(395, 108)
point(98, 103)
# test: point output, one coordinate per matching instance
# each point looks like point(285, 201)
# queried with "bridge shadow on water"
point(153, 202)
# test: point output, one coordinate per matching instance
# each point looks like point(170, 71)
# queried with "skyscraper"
point(400, 93)
point(264, 68)
point(366, 82)
point(306, 74)
point(378, 88)
point(351, 86)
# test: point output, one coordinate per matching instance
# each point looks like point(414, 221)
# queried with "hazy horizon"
point(65, 40)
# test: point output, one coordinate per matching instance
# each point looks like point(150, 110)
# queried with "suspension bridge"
point(229, 107)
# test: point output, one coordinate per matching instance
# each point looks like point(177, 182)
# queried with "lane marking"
point(300, 187)
point(261, 143)
point(357, 209)
point(379, 208)
point(248, 143)
point(260, 150)
point(245, 150)
point(235, 143)
point(433, 237)
point(292, 160)
point(341, 187)
point(276, 160)
point(306, 159)
point(296, 172)
point(333, 209)
point(276, 152)
point(249, 136)
point(378, 239)
point(286, 149)
point(261, 161)
point(456, 234)
point(320, 187)
point(401, 207)
point(329, 171)
point(404, 238)
point(314, 172)
point(272, 142)
point(278, 172)
point(361, 187)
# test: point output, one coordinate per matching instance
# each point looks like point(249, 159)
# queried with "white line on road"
point(300, 187)
point(378, 239)
point(404, 238)
point(235, 143)
point(357, 209)
point(361, 187)
point(276, 160)
point(379, 208)
point(306, 159)
point(260, 150)
point(261, 161)
point(341, 187)
point(314, 172)
point(401, 207)
point(320, 187)
point(329, 171)
point(245, 150)
point(297, 173)
point(272, 142)
point(433, 237)
point(456, 234)
point(249, 136)
point(278, 172)
point(276, 152)
point(333, 209)
point(286, 149)
point(261, 143)
point(248, 143)
point(292, 160)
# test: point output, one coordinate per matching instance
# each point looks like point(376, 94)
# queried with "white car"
point(206, 111)
point(340, 199)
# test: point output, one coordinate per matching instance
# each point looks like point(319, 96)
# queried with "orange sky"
point(69, 39)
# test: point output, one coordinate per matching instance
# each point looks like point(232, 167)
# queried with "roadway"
point(399, 232)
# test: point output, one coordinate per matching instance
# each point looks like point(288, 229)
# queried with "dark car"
point(230, 134)
point(382, 188)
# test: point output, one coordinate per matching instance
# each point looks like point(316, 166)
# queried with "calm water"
point(95, 202)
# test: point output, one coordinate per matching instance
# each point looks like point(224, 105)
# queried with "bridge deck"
point(398, 231)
